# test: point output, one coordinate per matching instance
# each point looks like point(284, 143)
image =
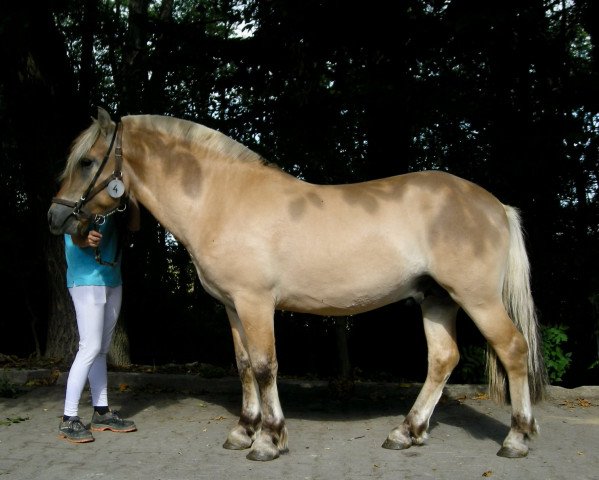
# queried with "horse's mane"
point(195, 133)
point(184, 130)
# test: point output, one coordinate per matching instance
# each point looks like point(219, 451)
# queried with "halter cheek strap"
point(90, 192)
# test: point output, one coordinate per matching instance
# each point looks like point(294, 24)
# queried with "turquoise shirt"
point(82, 268)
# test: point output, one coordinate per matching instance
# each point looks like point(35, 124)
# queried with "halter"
point(92, 189)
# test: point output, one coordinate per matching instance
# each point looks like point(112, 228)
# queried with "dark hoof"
point(233, 446)
point(393, 445)
point(507, 452)
point(258, 456)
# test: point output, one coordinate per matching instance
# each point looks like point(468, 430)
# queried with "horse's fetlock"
point(524, 425)
point(250, 422)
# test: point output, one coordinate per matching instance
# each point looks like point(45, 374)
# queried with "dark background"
point(501, 93)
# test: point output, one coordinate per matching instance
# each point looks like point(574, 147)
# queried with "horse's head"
point(92, 186)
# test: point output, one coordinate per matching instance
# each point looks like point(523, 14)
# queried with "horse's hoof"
point(395, 445)
point(508, 452)
point(238, 439)
point(235, 446)
point(263, 455)
point(398, 439)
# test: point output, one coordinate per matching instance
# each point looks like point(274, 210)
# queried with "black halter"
point(92, 189)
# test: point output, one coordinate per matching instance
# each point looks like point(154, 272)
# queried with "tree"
point(40, 108)
point(502, 93)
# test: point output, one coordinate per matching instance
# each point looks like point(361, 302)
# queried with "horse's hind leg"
point(439, 316)
point(511, 348)
point(261, 417)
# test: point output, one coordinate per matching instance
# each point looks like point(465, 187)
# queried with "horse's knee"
point(265, 371)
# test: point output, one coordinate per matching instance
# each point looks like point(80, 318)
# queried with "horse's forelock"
point(80, 148)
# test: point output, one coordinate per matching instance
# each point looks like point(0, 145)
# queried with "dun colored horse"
point(263, 240)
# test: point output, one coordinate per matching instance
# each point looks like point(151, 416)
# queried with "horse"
point(263, 240)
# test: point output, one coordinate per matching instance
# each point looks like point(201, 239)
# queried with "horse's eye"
point(86, 162)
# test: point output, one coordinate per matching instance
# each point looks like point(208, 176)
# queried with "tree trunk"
point(119, 349)
point(62, 326)
point(133, 73)
point(39, 78)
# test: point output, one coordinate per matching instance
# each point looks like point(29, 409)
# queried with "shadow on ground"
point(319, 403)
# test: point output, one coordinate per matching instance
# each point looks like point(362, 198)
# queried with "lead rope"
point(98, 253)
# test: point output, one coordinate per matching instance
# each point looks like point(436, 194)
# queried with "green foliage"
point(472, 364)
point(556, 360)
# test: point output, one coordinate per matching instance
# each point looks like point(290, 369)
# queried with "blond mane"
point(217, 143)
point(209, 139)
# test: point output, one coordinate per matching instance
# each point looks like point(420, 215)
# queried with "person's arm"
point(91, 240)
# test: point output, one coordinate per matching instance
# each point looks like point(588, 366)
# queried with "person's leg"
point(98, 378)
point(90, 324)
point(103, 417)
point(90, 315)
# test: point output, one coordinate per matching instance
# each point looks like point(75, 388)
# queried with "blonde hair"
point(81, 146)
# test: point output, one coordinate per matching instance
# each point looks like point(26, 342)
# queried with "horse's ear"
point(104, 120)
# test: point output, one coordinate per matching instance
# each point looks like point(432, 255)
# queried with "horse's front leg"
point(244, 433)
point(254, 326)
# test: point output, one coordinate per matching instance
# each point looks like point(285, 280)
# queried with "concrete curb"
point(196, 384)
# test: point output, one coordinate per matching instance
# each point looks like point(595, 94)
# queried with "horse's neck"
point(175, 182)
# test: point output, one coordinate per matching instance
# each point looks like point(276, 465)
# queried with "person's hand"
point(93, 239)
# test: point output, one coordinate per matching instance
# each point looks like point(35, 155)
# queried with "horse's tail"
point(517, 298)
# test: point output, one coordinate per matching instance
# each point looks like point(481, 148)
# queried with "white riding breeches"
point(97, 310)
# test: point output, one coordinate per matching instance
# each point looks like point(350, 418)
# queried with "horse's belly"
point(345, 292)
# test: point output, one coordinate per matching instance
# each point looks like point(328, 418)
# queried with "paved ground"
point(184, 420)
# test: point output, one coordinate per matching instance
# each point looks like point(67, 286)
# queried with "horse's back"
point(351, 248)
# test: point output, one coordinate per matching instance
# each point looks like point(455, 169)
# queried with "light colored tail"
point(517, 298)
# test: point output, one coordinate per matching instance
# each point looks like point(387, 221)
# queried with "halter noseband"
point(92, 189)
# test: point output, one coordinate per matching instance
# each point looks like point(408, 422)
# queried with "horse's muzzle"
point(61, 220)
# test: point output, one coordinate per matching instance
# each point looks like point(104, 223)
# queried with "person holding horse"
point(95, 285)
